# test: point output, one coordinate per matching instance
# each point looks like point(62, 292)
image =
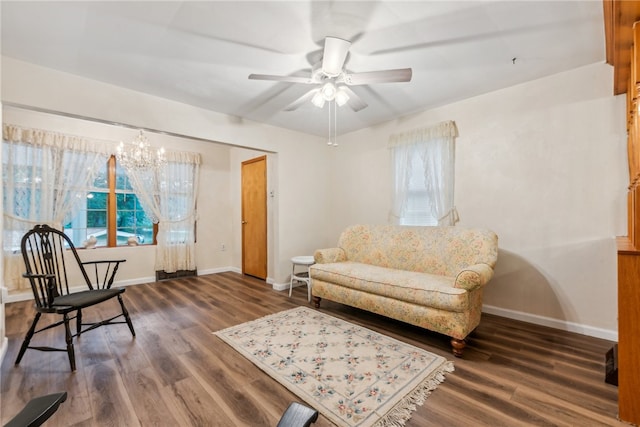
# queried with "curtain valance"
point(183, 157)
point(40, 137)
point(440, 130)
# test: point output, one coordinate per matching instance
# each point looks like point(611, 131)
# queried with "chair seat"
point(86, 298)
point(303, 260)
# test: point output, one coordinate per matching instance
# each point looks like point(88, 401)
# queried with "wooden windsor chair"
point(51, 261)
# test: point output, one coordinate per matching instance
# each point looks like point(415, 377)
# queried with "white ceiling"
point(201, 52)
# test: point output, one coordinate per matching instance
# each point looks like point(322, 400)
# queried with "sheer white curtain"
point(168, 196)
point(434, 150)
point(45, 176)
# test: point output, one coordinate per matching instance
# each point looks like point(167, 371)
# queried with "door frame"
point(264, 226)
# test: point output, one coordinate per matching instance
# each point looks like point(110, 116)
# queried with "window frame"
point(112, 208)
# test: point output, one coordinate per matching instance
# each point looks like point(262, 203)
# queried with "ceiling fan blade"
point(334, 55)
point(300, 101)
point(354, 101)
point(288, 79)
point(383, 76)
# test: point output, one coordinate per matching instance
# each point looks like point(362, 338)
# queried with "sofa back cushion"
point(435, 250)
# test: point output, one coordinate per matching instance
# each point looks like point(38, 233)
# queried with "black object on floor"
point(38, 410)
point(298, 415)
point(611, 366)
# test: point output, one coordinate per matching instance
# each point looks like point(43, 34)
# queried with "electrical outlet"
point(222, 247)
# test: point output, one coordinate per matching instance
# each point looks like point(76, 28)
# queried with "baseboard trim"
point(552, 323)
point(28, 295)
point(284, 286)
point(218, 270)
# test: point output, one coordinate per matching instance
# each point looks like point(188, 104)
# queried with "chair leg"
point(27, 338)
point(69, 338)
point(126, 315)
point(308, 283)
point(293, 269)
point(79, 323)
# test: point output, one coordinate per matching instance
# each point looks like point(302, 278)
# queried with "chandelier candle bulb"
point(138, 154)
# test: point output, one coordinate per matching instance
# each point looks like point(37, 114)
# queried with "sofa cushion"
point(435, 250)
point(419, 288)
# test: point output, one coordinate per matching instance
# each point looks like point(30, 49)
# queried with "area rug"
point(350, 374)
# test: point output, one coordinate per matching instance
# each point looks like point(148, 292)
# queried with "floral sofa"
point(432, 277)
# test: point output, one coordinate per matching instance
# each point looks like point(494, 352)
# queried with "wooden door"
point(254, 217)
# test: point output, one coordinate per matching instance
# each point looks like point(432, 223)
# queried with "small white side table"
point(305, 261)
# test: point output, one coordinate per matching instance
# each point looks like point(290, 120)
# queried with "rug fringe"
point(401, 413)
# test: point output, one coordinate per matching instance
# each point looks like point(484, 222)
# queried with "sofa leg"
point(457, 346)
point(316, 301)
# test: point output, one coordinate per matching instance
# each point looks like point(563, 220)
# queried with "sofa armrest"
point(329, 255)
point(473, 276)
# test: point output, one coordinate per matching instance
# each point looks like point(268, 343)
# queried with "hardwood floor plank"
point(564, 414)
point(198, 406)
point(144, 388)
point(109, 399)
point(226, 389)
point(176, 372)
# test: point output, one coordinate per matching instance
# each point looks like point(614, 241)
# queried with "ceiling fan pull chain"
point(329, 133)
point(335, 123)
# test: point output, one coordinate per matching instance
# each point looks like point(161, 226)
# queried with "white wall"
point(544, 165)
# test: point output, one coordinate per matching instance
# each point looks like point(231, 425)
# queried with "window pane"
point(122, 180)
point(132, 221)
point(91, 220)
point(101, 180)
point(96, 200)
point(418, 209)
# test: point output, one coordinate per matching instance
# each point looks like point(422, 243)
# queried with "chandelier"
point(138, 154)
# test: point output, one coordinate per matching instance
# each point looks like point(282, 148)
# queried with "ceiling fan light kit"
point(341, 97)
point(328, 91)
point(333, 81)
point(318, 99)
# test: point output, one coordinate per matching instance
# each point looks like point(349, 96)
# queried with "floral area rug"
point(351, 375)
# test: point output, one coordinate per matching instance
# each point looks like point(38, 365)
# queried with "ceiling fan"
point(333, 80)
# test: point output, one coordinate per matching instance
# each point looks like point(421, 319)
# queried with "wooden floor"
point(176, 373)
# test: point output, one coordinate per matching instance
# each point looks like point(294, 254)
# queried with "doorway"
point(254, 217)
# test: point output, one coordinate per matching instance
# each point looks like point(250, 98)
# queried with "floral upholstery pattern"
point(432, 277)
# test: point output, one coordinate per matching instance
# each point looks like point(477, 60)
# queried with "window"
point(418, 204)
point(423, 176)
point(111, 226)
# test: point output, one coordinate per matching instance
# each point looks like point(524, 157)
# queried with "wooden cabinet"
point(628, 331)
point(622, 30)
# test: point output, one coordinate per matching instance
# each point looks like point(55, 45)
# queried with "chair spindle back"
point(46, 251)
